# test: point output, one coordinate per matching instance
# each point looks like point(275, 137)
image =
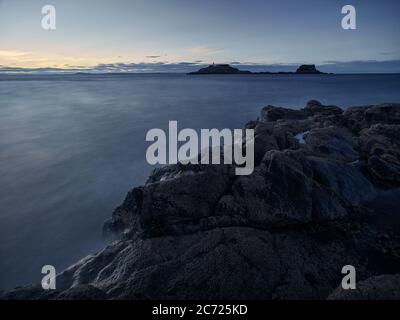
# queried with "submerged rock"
point(310, 207)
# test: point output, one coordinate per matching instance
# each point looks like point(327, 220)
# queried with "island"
point(220, 69)
point(227, 69)
point(308, 69)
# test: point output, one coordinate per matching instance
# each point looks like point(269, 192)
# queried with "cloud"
point(388, 53)
point(16, 70)
point(201, 50)
point(188, 63)
point(366, 66)
point(12, 53)
point(145, 67)
point(361, 66)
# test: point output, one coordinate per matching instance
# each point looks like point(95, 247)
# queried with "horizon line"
point(337, 67)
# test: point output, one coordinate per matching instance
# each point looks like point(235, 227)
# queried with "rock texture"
point(384, 287)
point(324, 194)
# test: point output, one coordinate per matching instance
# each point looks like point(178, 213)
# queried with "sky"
point(181, 35)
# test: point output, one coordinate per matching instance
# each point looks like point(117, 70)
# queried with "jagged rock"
point(359, 118)
point(380, 149)
point(332, 142)
point(271, 113)
point(346, 180)
point(315, 107)
point(82, 292)
point(313, 204)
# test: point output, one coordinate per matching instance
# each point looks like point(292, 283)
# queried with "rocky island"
point(227, 69)
point(324, 193)
point(308, 69)
point(220, 69)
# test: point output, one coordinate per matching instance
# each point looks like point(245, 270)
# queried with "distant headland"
point(227, 69)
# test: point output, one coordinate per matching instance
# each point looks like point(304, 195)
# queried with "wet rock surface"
point(324, 193)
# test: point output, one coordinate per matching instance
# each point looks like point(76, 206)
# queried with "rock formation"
point(227, 69)
point(324, 194)
point(220, 69)
point(308, 69)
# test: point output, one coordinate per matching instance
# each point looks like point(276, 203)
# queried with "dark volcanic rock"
point(324, 194)
point(380, 149)
point(332, 142)
point(358, 118)
point(315, 107)
point(271, 114)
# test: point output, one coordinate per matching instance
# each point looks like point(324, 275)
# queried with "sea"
point(73, 145)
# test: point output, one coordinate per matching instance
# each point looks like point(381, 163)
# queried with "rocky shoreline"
point(324, 193)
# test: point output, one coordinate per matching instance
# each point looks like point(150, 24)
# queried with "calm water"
point(72, 146)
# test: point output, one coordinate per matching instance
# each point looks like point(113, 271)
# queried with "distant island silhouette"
point(227, 69)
